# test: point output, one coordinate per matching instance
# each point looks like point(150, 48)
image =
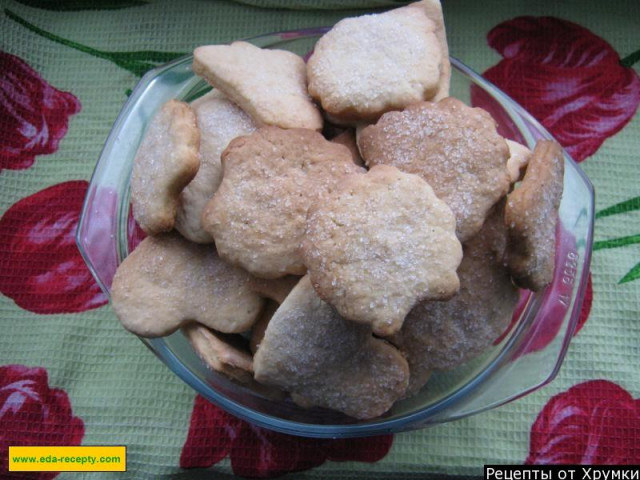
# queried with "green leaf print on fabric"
point(622, 207)
point(137, 62)
point(632, 274)
point(616, 242)
point(626, 206)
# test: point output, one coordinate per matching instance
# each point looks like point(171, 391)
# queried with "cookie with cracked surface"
point(365, 66)
point(455, 148)
point(166, 161)
point(271, 178)
point(268, 84)
point(378, 244)
point(219, 121)
point(327, 361)
point(531, 216)
point(168, 281)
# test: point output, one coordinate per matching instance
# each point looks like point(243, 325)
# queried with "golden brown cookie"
point(378, 244)
point(221, 354)
point(442, 335)
point(271, 178)
point(270, 85)
point(455, 148)
point(531, 215)
point(310, 351)
point(219, 121)
point(168, 281)
point(228, 355)
point(166, 161)
point(368, 65)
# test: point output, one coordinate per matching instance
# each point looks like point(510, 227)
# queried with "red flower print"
point(43, 269)
point(565, 76)
point(595, 422)
point(32, 413)
point(34, 114)
point(259, 453)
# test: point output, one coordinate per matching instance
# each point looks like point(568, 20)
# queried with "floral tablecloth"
point(70, 375)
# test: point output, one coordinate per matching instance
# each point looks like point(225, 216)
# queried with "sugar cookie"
point(220, 353)
point(271, 177)
point(219, 121)
point(310, 351)
point(378, 244)
point(455, 148)
point(168, 281)
point(368, 65)
point(270, 85)
point(531, 216)
point(166, 161)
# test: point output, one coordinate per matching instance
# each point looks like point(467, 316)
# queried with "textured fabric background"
point(124, 395)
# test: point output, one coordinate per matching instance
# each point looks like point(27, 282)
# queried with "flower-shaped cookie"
point(455, 148)
point(378, 244)
point(271, 178)
point(531, 216)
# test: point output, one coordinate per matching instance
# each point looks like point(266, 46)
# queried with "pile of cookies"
point(332, 232)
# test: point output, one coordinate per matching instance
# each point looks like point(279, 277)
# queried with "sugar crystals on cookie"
point(378, 244)
point(531, 216)
point(270, 85)
point(327, 361)
point(455, 148)
point(166, 161)
point(219, 121)
point(368, 65)
point(167, 282)
point(271, 178)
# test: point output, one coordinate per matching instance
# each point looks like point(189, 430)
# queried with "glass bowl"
point(523, 359)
